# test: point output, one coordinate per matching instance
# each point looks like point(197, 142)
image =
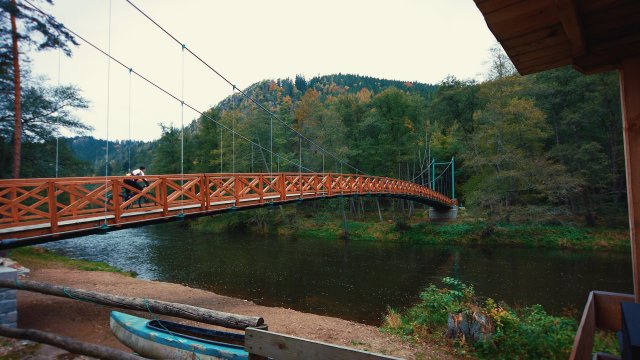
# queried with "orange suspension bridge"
point(53, 209)
point(49, 209)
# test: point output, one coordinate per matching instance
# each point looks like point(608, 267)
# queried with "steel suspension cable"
point(233, 134)
point(182, 133)
point(57, 135)
point(241, 92)
point(271, 144)
point(106, 163)
point(129, 147)
point(166, 92)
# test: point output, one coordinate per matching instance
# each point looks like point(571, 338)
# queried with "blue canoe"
point(159, 339)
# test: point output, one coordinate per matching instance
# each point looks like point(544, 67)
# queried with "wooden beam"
point(583, 342)
point(541, 64)
point(72, 345)
point(516, 10)
point(490, 6)
point(630, 94)
point(568, 14)
point(207, 316)
point(559, 52)
point(536, 40)
point(544, 17)
point(285, 347)
point(608, 55)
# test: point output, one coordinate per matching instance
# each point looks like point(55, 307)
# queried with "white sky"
point(253, 40)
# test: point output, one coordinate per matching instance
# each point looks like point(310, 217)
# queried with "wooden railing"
point(601, 312)
point(42, 207)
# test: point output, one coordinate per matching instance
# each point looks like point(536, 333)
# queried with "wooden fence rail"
point(219, 318)
point(44, 207)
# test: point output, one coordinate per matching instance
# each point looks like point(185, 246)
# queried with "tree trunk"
point(17, 130)
point(72, 345)
point(472, 327)
point(207, 316)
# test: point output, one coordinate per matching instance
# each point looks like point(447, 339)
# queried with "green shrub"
point(529, 333)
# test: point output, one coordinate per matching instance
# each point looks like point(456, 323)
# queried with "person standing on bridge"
point(135, 175)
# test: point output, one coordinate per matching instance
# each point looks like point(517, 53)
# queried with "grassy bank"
point(471, 233)
point(328, 225)
point(37, 257)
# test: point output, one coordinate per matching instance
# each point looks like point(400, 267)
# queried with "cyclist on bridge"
point(135, 175)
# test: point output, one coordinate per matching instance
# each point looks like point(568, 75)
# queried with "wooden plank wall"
point(630, 95)
point(284, 347)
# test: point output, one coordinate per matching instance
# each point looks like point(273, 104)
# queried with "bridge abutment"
point(443, 215)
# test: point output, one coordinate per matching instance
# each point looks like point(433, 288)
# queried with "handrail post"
point(329, 184)
point(206, 191)
point(315, 185)
point(115, 197)
point(53, 206)
point(236, 189)
point(261, 188)
point(164, 196)
point(203, 197)
point(282, 187)
point(301, 182)
point(14, 205)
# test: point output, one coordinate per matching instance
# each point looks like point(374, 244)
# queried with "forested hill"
point(123, 155)
point(268, 91)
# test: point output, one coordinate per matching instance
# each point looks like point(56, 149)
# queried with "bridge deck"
point(32, 208)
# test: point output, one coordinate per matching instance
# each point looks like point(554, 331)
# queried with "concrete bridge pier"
point(443, 215)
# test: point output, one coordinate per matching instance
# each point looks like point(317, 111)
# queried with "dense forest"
point(525, 147)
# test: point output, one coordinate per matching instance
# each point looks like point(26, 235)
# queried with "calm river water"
point(354, 280)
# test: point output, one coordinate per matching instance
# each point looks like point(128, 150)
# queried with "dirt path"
point(90, 322)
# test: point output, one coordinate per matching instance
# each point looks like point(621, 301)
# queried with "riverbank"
point(90, 322)
point(324, 224)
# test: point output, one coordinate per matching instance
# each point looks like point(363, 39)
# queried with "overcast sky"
point(249, 41)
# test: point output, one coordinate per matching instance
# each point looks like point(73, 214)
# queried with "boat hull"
point(135, 333)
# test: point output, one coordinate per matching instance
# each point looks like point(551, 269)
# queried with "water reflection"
point(353, 280)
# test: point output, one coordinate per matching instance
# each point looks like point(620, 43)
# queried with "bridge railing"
point(32, 207)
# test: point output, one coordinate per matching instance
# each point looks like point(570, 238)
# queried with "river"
point(353, 280)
